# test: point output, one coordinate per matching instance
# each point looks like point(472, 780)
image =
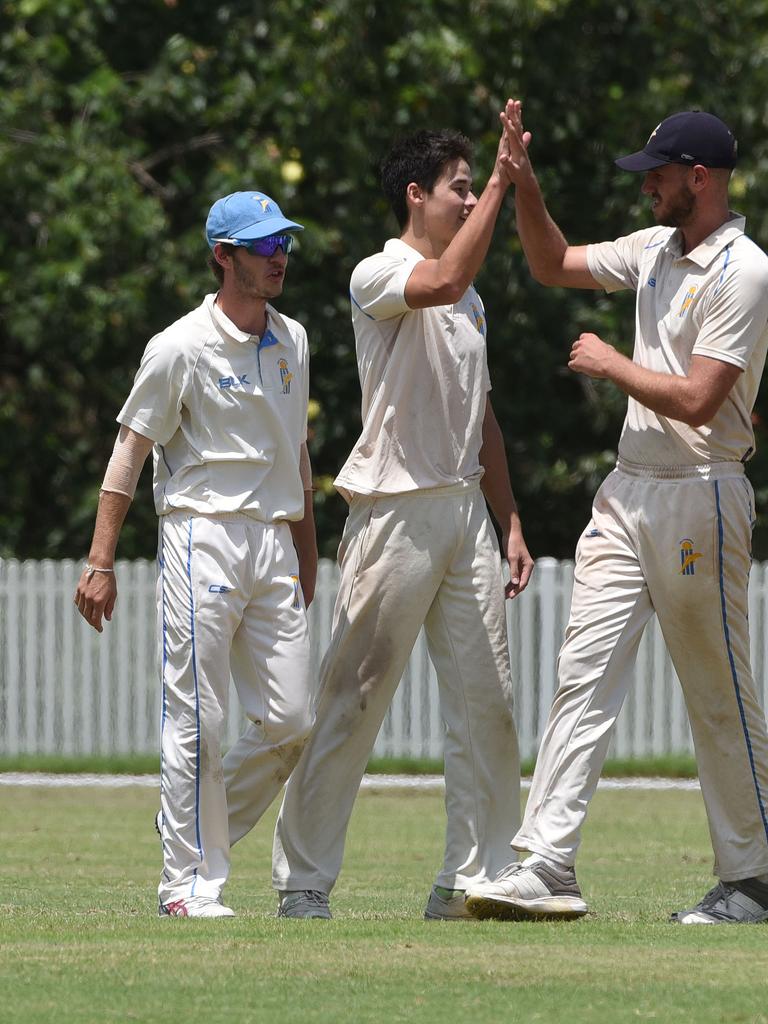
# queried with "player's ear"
point(414, 194)
point(700, 177)
point(222, 254)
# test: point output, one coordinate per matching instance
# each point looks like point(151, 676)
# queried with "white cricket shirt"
point(227, 413)
point(424, 380)
point(711, 302)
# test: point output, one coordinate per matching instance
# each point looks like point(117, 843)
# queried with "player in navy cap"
point(689, 138)
point(671, 525)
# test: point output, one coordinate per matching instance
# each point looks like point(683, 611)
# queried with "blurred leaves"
point(120, 123)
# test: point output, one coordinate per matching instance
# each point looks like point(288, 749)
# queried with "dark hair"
point(216, 267)
point(420, 157)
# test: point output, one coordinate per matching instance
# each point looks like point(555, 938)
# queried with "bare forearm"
point(667, 394)
point(305, 542)
point(113, 508)
point(96, 590)
point(496, 484)
point(691, 398)
point(497, 489)
point(462, 260)
point(664, 393)
point(543, 242)
point(551, 260)
point(303, 530)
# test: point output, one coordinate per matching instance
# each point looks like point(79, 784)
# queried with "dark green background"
point(121, 122)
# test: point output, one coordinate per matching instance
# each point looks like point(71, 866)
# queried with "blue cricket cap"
point(245, 216)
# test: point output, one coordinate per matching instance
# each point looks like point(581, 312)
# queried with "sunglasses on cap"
point(268, 246)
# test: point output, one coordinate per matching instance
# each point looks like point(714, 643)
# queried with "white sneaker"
point(303, 903)
point(452, 909)
point(744, 902)
point(521, 892)
point(194, 906)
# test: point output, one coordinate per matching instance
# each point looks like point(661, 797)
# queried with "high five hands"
point(512, 158)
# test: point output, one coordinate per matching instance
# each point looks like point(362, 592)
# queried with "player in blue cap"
point(221, 396)
point(671, 525)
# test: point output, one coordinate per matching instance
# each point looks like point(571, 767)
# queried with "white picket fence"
point(65, 689)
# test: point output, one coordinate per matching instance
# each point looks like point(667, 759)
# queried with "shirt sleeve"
point(616, 265)
point(378, 285)
point(153, 408)
point(736, 314)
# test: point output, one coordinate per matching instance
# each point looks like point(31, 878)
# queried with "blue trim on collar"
point(268, 340)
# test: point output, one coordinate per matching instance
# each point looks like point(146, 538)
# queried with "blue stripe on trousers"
point(734, 673)
point(197, 697)
point(164, 715)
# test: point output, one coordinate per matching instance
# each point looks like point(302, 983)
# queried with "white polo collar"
point(225, 326)
point(708, 249)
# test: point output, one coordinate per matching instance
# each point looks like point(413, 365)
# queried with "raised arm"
point(551, 259)
point(442, 281)
point(96, 591)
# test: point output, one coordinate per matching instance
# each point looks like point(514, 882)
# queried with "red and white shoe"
point(194, 906)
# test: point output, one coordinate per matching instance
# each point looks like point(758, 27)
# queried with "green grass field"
point(80, 942)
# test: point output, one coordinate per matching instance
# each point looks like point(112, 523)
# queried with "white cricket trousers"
point(229, 601)
point(426, 558)
point(675, 542)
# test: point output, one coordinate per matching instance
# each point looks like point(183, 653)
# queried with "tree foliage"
point(120, 123)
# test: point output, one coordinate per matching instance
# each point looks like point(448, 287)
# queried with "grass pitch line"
point(423, 783)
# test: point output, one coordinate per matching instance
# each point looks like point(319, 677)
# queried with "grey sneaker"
point(526, 893)
point(303, 903)
point(451, 909)
point(742, 902)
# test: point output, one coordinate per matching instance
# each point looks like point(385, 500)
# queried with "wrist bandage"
point(124, 467)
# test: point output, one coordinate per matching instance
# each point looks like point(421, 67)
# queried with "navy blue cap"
point(691, 137)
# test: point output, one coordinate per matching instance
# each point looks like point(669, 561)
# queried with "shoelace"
point(713, 897)
point(512, 869)
point(722, 892)
point(315, 896)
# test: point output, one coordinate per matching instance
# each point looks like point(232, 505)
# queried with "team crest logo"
point(688, 557)
point(479, 320)
point(688, 299)
point(296, 592)
point(285, 376)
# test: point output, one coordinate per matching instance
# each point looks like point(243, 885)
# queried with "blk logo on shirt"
point(234, 382)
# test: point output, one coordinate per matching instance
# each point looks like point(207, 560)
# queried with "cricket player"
point(221, 398)
point(418, 547)
point(671, 525)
